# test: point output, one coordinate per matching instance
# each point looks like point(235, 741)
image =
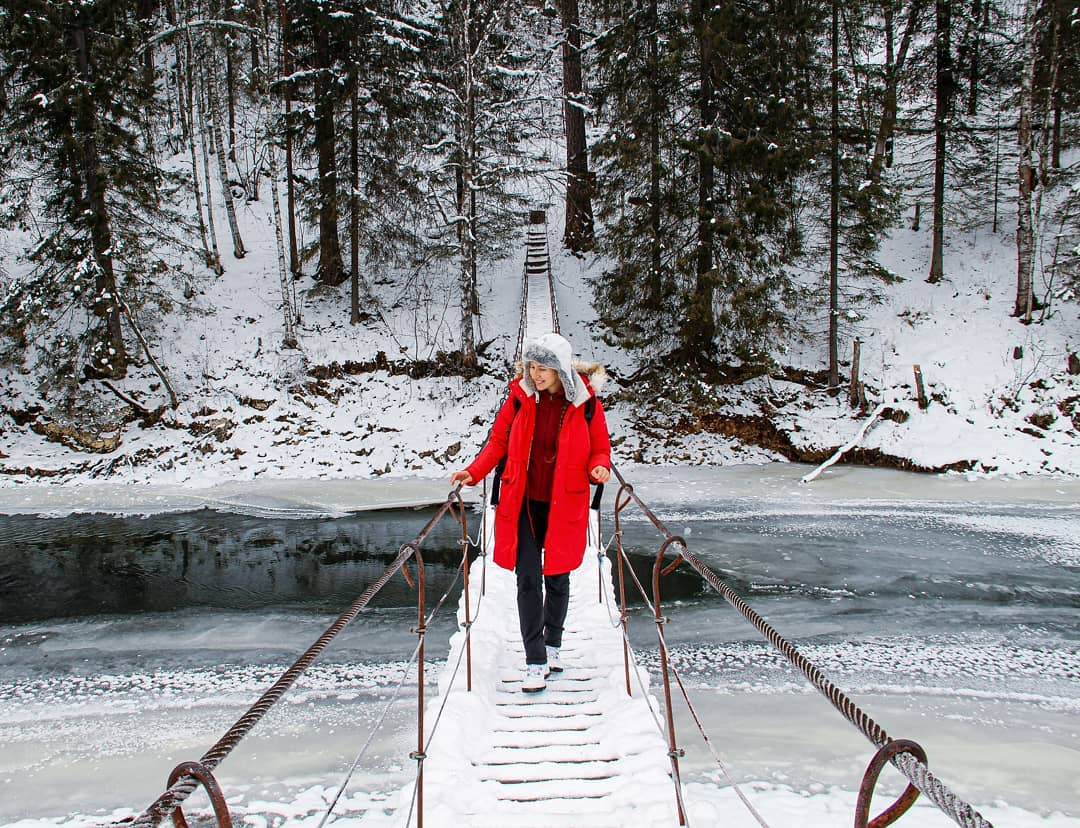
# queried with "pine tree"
point(943, 99)
point(484, 83)
point(768, 81)
point(390, 117)
point(319, 40)
point(861, 196)
point(579, 233)
point(1045, 218)
point(640, 196)
point(75, 128)
point(711, 126)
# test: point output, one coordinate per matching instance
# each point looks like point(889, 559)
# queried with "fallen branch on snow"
point(844, 449)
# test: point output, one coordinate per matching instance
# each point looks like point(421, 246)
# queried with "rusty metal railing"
point(188, 776)
point(908, 757)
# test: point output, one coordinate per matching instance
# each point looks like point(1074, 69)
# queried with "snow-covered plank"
point(581, 747)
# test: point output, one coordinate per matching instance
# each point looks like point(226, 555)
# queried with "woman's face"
point(545, 379)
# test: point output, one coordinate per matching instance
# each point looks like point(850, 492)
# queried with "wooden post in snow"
point(920, 389)
point(855, 389)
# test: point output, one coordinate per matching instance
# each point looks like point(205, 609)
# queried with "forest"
point(731, 162)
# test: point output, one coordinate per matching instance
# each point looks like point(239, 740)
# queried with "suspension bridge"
point(598, 746)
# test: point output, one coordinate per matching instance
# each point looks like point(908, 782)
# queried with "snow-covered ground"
point(1002, 400)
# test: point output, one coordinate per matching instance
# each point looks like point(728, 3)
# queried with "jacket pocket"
point(575, 504)
point(577, 483)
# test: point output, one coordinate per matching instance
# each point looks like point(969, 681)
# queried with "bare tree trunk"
point(893, 70)
point(579, 234)
point(467, 208)
point(834, 200)
point(212, 257)
point(1049, 108)
point(230, 84)
point(213, 94)
point(977, 12)
point(701, 317)
point(288, 312)
point(354, 198)
point(1025, 223)
point(173, 401)
point(177, 78)
point(204, 142)
point(286, 70)
point(144, 13)
point(331, 267)
point(654, 151)
point(1055, 147)
point(943, 99)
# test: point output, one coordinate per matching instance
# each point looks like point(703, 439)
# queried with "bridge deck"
point(538, 306)
point(580, 752)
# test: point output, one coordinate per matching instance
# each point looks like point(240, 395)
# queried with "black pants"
point(542, 599)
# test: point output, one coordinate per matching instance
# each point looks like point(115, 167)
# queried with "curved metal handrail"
point(187, 781)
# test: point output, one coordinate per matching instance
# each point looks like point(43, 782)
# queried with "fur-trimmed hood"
point(553, 351)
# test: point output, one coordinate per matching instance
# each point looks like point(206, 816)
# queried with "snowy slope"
point(340, 407)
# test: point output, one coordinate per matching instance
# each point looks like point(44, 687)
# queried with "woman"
point(552, 433)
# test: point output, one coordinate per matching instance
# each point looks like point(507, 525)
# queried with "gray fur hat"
point(553, 351)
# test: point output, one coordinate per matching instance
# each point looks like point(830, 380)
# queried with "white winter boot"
point(554, 662)
point(534, 678)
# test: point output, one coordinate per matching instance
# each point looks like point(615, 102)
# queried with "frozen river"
point(946, 608)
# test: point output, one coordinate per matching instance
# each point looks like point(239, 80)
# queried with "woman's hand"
point(600, 475)
point(461, 476)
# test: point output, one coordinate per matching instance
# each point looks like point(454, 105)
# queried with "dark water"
point(832, 573)
point(97, 565)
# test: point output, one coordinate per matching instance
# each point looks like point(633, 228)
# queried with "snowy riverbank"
point(373, 401)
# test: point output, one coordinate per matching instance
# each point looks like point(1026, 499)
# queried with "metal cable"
point(613, 620)
point(445, 696)
point(705, 736)
point(165, 804)
point(412, 660)
point(551, 283)
point(645, 694)
point(682, 688)
point(434, 728)
point(382, 717)
point(524, 305)
point(961, 812)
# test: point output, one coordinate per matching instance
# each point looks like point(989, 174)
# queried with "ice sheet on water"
point(272, 498)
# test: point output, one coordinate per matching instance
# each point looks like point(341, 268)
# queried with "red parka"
point(582, 447)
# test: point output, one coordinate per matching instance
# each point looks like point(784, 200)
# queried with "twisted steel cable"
point(917, 772)
point(165, 804)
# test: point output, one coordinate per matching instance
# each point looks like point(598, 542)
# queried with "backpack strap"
point(590, 409)
point(496, 484)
